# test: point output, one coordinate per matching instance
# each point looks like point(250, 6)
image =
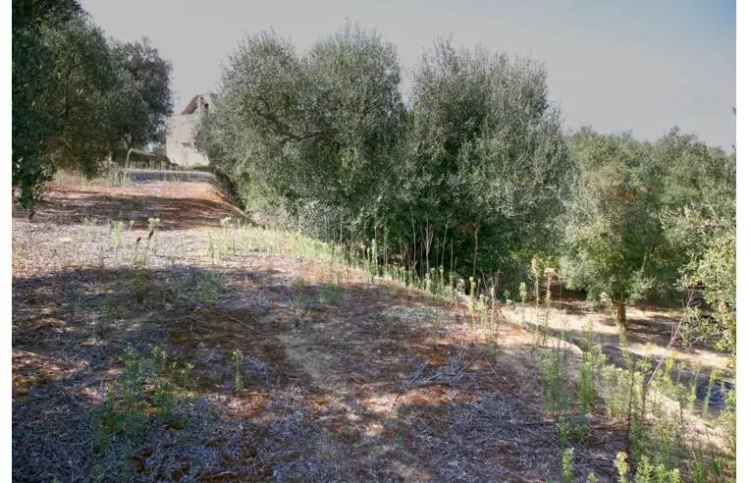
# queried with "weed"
point(590, 369)
point(301, 302)
point(646, 472)
point(113, 310)
point(472, 295)
point(536, 272)
point(728, 422)
point(567, 466)
point(127, 409)
point(523, 292)
point(554, 366)
point(142, 285)
point(211, 249)
point(116, 233)
point(209, 287)
point(153, 229)
point(331, 294)
point(239, 384)
point(117, 178)
point(621, 463)
point(574, 429)
point(706, 399)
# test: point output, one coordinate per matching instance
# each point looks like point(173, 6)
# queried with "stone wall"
point(181, 132)
point(181, 150)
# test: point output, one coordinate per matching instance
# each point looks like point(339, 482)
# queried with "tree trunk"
point(476, 250)
point(621, 319)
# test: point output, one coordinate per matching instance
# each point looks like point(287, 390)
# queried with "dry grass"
point(649, 330)
point(379, 384)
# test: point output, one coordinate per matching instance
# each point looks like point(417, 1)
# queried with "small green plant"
point(621, 464)
point(592, 478)
point(141, 284)
point(153, 225)
point(554, 366)
point(238, 381)
point(142, 392)
point(707, 398)
point(164, 398)
point(208, 286)
point(506, 297)
point(593, 360)
point(523, 292)
point(646, 472)
point(568, 476)
point(116, 232)
point(301, 301)
point(331, 294)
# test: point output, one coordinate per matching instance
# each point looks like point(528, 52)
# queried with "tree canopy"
point(327, 134)
point(643, 214)
point(470, 171)
point(76, 95)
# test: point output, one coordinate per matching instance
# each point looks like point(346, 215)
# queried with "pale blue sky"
point(640, 66)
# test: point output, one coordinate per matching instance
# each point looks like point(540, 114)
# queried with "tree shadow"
point(100, 208)
point(379, 384)
point(625, 359)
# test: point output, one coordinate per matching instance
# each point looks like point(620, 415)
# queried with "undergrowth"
point(658, 411)
point(145, 396)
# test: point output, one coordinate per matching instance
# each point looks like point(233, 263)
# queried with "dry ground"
point(368, 382)
point(649, 330)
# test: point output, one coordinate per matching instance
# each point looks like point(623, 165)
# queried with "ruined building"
point(181, 132)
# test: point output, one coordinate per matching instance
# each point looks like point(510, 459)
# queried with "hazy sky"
point(640, 66)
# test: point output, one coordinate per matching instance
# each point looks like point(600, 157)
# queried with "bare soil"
point(380, 383)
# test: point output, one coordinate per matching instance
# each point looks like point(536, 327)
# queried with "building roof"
point(193, 104)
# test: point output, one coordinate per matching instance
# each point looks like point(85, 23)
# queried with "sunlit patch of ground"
point(648, 335)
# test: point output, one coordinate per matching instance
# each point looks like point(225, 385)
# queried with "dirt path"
point(338, 381)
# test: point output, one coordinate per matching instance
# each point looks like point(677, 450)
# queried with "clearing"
point(282, 365)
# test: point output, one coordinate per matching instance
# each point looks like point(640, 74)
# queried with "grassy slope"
point(341, 378)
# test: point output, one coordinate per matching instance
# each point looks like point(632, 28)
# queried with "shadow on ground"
point(625, 359)
point(95, 207)
point(366, 383)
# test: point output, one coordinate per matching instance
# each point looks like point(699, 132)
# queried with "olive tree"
point(313, 128)
point(33, 85)
point(82, 95)
point(141, 100)
point(75, 96)
point(613, 230)
point(486, 163)
point(699, 216)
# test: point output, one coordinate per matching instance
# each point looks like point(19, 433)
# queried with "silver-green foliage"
point(316, 127)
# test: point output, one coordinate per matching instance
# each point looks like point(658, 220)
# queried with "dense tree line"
point(642, 216)
point(78, 96)
point(327, 138)
point(471, 172)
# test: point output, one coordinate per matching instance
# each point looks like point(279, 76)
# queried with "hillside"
point(156, 337)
